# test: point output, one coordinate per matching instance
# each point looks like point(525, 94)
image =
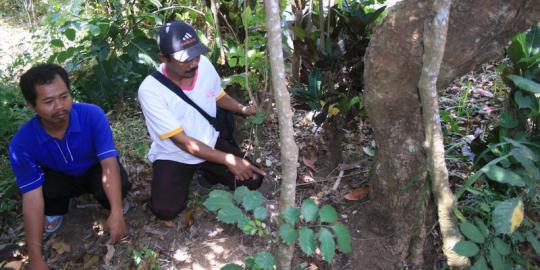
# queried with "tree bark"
point(434, 44)
point(289, 149)
point(478, 31)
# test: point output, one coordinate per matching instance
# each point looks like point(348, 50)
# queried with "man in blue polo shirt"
point(65, 150)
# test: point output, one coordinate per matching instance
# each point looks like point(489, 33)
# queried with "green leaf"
point(220, 193)
point(472, 232)
point(328, 246)
point(57, 43)
point(525, 84)
point(534, 242)
point(287, 233)
point(309, 210)
point(328, 214)
point(516, 50)
point(507, 120)
point(343, 237)
point(70, 34)
point(502, 247)
point(230, 214)
point(480, 264)
point(243, 222)
point(523, 102)
point(291, 215)
point(497, 262)
point(216, 203)
point(252, 200)
point(265, 260)
point(466, 248)
point(156, 3)
point(507, 216)
point(526, 161)
point(503, 175)
point(306, 240)
point(94, 30)
point(232, 266)
point(482, 226)
point(257, 119)
point(240, 193)
point(260, 213)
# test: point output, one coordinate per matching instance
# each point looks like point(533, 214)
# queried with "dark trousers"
point(58, 188)
point(171, 179)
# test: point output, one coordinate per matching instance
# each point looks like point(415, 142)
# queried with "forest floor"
point(196, 239)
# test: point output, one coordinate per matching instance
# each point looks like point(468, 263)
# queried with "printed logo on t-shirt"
point(211, 94)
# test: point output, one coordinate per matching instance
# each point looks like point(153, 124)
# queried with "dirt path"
point(14, 41)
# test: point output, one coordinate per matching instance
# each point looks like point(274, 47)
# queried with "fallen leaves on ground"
point(310, 164)
point(61, 247)
point(358, 194)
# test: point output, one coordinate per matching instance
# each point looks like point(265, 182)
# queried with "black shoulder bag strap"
point(175, 89)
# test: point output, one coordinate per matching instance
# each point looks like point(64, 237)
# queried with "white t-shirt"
point(167, 114)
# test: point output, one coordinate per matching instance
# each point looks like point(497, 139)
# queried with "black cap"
point(180, 40)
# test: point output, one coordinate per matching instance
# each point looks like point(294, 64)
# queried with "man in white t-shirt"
point(183, 140)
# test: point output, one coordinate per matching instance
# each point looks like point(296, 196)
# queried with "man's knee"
point(166, 212)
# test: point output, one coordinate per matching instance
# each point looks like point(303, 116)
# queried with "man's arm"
point(229, 103)
point(240, 167)
point(33, 212)
point(110, 177)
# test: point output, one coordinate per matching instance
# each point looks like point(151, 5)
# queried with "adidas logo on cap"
point(187, 36)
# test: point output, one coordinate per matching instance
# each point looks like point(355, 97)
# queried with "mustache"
point(58, 113)
point(192, 70)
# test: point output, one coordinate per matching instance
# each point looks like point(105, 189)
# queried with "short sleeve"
point(28, 174)
point(158, 116)
point(102, 135)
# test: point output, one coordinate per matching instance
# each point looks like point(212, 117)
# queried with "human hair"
point(39, 75)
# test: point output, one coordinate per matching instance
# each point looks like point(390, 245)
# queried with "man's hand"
point(38, 264)
point(249, 110)
point(117, 227)
point(241, 168)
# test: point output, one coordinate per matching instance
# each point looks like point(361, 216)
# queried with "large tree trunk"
point(479, 30)
point(289, 150)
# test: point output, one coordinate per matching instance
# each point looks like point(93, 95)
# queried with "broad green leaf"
point(481, 226)
point(343, 237)
point(507, 120)
point(502, 247)
point(260, 213)
point(306, 240)
point(94, 30)
point(328, 246)
point(232, 266)
point(309, 210)
point(220, 193)
point(466, 248)
point(265, 260)
point(472, 232)
point(480, 264)
point(57, 43)
point(252, 200)
point(291, 215)
point(299, 32)
point(507, 216)
point(287, 233)
point(70, 34)
point(516, 50)
point(533, 40)
point(523, 102)
point(243, 222)
point(328, 214)
point(230, 214)
point(216, 203)
point(240, 193)
point(534, 242)
point(525, 84)
point(497, 262)
point(527, 163)
point(503, 175)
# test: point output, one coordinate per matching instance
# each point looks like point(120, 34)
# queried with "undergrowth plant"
point(309, 226)
point(499, 216)
point(261, 261)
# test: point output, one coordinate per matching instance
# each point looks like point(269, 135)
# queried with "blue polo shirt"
point(87, 141)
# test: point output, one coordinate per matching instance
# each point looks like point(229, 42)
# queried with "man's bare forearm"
point(110, 177)
point(33, 212)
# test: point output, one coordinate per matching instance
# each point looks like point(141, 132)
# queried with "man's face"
point(53, 102)
point(184, 70)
